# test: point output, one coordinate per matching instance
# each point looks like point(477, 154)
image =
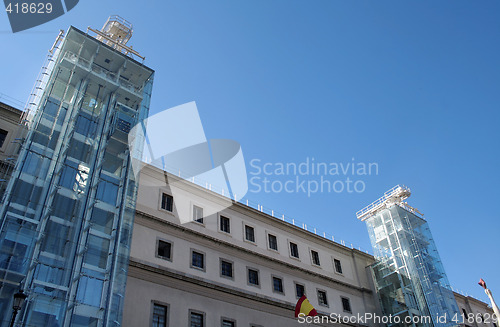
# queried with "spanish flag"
point(305, 307)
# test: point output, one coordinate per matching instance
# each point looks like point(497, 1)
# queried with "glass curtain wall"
point(66, 223)
point(409, 275)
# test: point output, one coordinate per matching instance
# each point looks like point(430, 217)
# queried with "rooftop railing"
point(266, 210)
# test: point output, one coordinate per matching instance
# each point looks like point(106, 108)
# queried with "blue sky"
point(412, 86)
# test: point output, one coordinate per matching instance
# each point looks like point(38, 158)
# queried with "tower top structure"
point(115, 33)
point(395, 195)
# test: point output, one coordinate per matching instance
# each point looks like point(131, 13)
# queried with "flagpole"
point(493, 304)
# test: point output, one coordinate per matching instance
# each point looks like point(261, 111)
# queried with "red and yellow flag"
point(305, 307)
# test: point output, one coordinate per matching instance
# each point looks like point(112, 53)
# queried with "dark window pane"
point(197, 260)
point(299, 290)
point(196, 320)
point(167, 202)
point(227, 323)
point(315, 257)
point(164, 249)
point(346, 304)
point(225, 224)
point(294, 250)
point(278, 284)
point(3, 136)
point(273, 242)
point(226, 268)
point(253, 277)
point(338, 266)
point(249, 233)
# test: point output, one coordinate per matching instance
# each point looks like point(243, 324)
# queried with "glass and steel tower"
point(409, 276)
point(67, 214)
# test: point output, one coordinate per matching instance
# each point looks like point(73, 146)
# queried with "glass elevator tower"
point(67, 214)
point(409, 276)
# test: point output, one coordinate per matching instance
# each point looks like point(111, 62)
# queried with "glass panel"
point(80, 321)
point(107, 189)
point(102, 220)
point(64, 207)
point(26, 194)
point(90, 288)
point(79, 151)
point(97, 251)
point(56, 238)
point(36, 164)
point(85, 125)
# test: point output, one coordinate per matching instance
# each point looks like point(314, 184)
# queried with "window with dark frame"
point(196, 319)
point(253, 277)
point(249, 233)
point(273, 242)
point(198, 260)
point(227, 323)
point(198, 214)
point(315, 257)
point(225, 224)
point(226, 268)
point(299, 290)
point(159, 315)
point(338, 266)
point(346, 304)
point(322, 299)
point(3, 136)
point(164, 249)
point(278, 284)
point(294, 250)
point(167, 202)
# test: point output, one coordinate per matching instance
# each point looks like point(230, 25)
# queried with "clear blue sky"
point(413, 86)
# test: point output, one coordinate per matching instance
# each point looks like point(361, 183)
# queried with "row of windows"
point(196, 318)
point(167, 203)
point(164, 250)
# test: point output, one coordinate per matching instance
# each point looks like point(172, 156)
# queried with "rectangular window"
point(249, 233)
point(322, 299)
point(273, 242)
point(225, 224)
point(226, 268)
point(277, 284)
point(294, 250)
point(346, 304)
point(164, 249)
point(228, 323)
point(253, 277)
point(299, 290)
point(315, 257)
point(196, 319)
point(198, 214)
point(3, 136)
point(197, 260)
point(338, 266)
point(159, 315)
point(167, 202)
